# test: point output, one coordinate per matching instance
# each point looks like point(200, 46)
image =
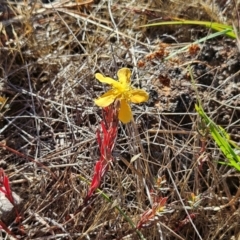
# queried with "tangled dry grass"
point(49, 54)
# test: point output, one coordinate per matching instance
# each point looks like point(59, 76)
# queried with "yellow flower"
point(123, 91)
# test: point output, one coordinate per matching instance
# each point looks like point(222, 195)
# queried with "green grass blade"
point(213, 25)
point(128, 219)
point(221, 137)
point(213, 35)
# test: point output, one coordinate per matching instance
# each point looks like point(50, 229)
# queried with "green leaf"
point(213, 35)
point(212, 25)
point(222, 139)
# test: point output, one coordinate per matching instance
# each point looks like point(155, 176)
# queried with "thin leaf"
point(125, 216)
point(197, 42)
point(213, 25)
point(221, 138)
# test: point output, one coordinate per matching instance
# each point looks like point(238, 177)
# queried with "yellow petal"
point(125, 112)
point(106, 99)
point(107, 80)
point(138, 96)
point(124, 75)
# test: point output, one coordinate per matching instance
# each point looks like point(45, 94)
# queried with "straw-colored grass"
point(49, 54)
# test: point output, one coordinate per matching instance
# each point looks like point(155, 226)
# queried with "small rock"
point(7, 212)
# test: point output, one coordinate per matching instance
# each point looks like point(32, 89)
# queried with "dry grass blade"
point(49, 54)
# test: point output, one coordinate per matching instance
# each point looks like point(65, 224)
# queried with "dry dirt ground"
point(49, 53)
